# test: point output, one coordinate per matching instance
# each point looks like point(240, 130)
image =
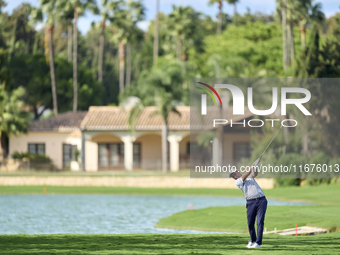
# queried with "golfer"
point(256, 202)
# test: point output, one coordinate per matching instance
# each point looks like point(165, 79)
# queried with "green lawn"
point(233, 218)
point(166, 244)
point(123, 173)
point(324, 194)
point(119, 190)
point(325, 214)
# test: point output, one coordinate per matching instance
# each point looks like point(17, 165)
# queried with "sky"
point(329, 7)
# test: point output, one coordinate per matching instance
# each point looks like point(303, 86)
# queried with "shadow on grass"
point(164, 244)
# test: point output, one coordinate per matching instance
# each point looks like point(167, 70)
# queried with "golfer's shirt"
point(249, 187)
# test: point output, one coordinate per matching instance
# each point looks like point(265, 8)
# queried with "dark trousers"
point(256, 208)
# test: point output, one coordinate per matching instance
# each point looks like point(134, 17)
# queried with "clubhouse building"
point(102, 139)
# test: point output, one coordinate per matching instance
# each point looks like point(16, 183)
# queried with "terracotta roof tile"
point(65, 123)
point(116, 118)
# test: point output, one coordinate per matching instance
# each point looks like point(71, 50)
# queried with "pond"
point(101, 214)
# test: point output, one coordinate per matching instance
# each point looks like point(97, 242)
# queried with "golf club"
point(270, 143)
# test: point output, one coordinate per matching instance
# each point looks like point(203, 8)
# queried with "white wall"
point(91, 156)
point(151, 151)
point(53, 143)
point(229, 140)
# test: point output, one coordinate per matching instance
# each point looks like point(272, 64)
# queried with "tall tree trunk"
point(101, 53)
point(3, 144)
point(69, 42)
point(51, 60)
point(46, 45)
point(121, 65)
point(75, 58)
point(36, 114)
point(303, 35)
point(235, 12)
point(220, 136)
point(165, 147)
point(284, 35)
point(35, 44)
point(291, 41)
point(305, 145)
point(156, 35)
point(12, 46)
point(179, 47)
point(220, 14)
point(128, 64)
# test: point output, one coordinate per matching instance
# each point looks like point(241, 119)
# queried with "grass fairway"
point(118, 191)
point(166, 244)
point(233, 218)
point(324, 194)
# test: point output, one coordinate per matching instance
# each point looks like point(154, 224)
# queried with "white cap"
point(232, 170)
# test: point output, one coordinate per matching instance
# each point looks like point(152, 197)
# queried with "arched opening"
point(184, 152)
point(198, 154)
point(110, 151)
point(150, 151)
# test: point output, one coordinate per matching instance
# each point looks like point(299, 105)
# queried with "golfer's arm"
point(254, 172)
point(246, 174)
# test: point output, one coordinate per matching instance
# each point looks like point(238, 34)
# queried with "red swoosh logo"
point(212, 89)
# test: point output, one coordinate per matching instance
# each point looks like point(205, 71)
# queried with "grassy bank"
point(326, 214)
point(118, 191)
point(121, 173)
point(325, 194)
point(166, 244)
point(233, 218)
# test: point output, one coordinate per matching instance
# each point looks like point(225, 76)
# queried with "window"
point(36, 148)
point(199, 154)
point(110, 154)
point(241, 150)
point(194, 148)
point(68, 154)
point(137, 154)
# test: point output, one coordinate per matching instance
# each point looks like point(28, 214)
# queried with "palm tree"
point(304, 12)
point(284, 33)
point(48, 7)
point(220, 14)
point(234, 2)
point(69, 41)
point(124, 21)
point(290, 8)
point(135, 35)
point(291, 19)
point(13, 120)
point(180, 24)
point(301, 10)
point(107, 13)
point(13, 39)
point(156, 35)
point(308, 13)
point(79, 7)
point(2, 5)
point(66, 18)
point(316, 16)
point(164, 106)
point(161, 87)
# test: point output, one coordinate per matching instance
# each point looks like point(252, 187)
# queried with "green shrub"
point(287, 160)
point(34, 158)
point(311, 177)
point(40, 158)
point(285, 182)
point(18, 155)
